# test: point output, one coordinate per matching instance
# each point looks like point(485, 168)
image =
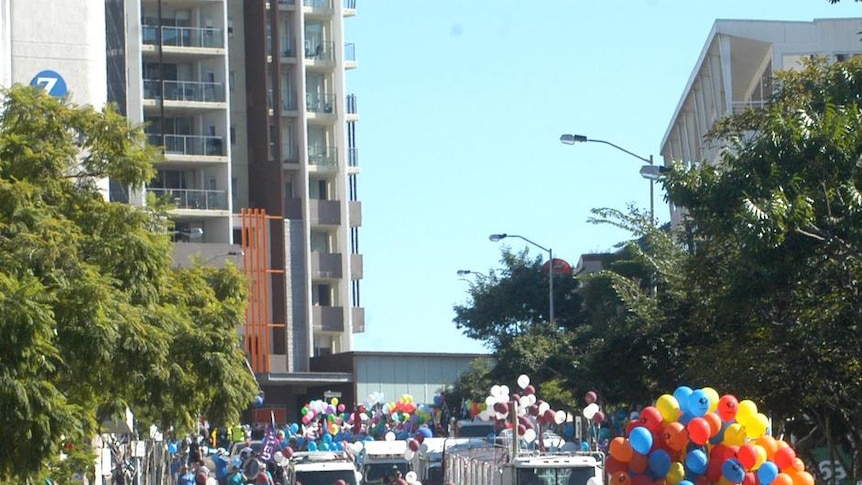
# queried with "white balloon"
point(543, 407)
point(560, 417)
point(533, 399)
point(504, 391)
point(591, 410)
point(523, 381)
point(279, 457)
point(411, 477)
point(408, 454)
point(390, 436)
point(356, 447)
point(530, 435)
point(524, 401)
point(490, 401)
point(495, 390)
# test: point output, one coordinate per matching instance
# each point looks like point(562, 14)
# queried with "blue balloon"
point(426, 431)
point(685, 418)
point(585, 446)
point(732, 470)
point(294, 428)
point(569, 430)
point(312, 446)
point(767, 472)
point(698, 403)
point(719, 437)
point(369, 438)
point(685, 482)
point(641, 440)
point(681, 394)
point(659, 462)
point(172, 448)
point(696, 461)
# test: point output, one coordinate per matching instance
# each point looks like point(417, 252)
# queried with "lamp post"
point(568, 139)
point(498, 237)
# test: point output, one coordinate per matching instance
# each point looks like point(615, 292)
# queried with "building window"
point(233, 134)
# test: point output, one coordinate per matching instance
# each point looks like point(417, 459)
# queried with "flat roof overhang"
point(304, 378)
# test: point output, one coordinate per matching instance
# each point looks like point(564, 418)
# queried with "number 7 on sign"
point(47, 83)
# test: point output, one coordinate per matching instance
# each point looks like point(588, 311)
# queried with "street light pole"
point(568, 139)
point(498, 237)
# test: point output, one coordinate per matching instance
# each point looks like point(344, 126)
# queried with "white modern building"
point(249, 100)
point(735, 71)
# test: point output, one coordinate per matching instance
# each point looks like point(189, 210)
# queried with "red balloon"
point(727, 407)
point(698, 431)
point(651, 418)
point(287, 452)
point(613, 466)
point(599, 417)
point(747, 456)
point(750, 479)
point(642, 479)
point(621, 478)
point(639, 463)
point(591, 397)
point(714, 423)
point(784, 458)
point(713, 470)
point(413, 444)
point(501, 407)
point(631, 425)
point(529, 389)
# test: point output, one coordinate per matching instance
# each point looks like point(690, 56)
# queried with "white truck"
point(380, 459)
point(498, 465)
point(428, 461)
point(322, 468)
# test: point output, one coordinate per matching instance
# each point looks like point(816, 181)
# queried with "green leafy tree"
point(93, 317)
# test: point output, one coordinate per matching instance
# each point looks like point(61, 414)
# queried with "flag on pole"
point(270, 441)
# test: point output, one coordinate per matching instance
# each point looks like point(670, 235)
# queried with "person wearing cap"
point(186, 476)
point(221, 461)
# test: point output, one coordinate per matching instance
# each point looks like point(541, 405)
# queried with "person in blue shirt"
point(221, 464)
point(186, 476)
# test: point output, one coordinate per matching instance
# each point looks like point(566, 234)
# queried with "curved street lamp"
point(498, 237)
point(569, 139)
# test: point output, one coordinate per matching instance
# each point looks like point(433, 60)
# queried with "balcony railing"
point(288, 102)
point(212, 146)
point(319, 50)
point(350, 4)
point(287, 2)
point(289, 153)
point(353, 157)
point(184, 36)
point(351, 104)
point(324, 157)
point(318, 4)
point(193, 198)
point(320, 103)
point(192, 91)
point(350, 52)
point(287, 46)
point(740, 106)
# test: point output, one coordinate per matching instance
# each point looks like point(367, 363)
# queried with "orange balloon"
point(714, 423)
point(639, 463)
point(769, 444)
point(621, 449)
point(802, 478)
point(798, 465)
point(675, 436)
point(782, 479)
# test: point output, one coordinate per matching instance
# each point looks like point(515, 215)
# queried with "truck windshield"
point(327, 477)
point(382, 472)
point(476, 430)
point(555, 476)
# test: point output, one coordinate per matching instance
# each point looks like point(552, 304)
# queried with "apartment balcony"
point(320, 103)
point(349, 8)
point(350, 56)
point(287, 48)
point(318, 6)
point(352, 157)
point(290, 154)
point(292, 208)
point(742, 106)
point(355, 213)
point(184, 39)
point(351, 109)
point(357, 316)
point(190, 145)
point(323, 51)
point(327, 318)
point(189, 94)
point(356, 266)
point(286, 4)
point(325, 265)
point(324, 212)
point(326, 158)
point(195, 199)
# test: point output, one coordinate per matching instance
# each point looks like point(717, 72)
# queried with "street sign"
point(52, 82)
point(331, 394)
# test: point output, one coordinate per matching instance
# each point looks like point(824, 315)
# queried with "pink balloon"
point(599, 417)
point(591, 397)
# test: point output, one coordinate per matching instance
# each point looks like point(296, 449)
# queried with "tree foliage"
point(93, 317)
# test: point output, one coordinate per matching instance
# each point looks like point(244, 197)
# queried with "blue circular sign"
point(52, 82)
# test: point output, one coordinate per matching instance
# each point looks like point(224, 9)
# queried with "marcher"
point(221, 461)
point(236, 476)
point(186, 476)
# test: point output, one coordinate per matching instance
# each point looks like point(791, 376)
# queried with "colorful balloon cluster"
point(695, 437)
point(531, 411)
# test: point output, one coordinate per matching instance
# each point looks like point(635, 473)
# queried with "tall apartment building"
point(735, 71)
point(248, 99)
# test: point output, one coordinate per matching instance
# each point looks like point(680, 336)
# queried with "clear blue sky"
point(461, 106)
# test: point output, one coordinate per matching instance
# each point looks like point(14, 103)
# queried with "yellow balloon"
point(756, 426)
point(761, 456)
point(668, 406)
point(745, 411)
point(675, 474)
point(713, 398)
point(734, 435)
point(335, 401)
